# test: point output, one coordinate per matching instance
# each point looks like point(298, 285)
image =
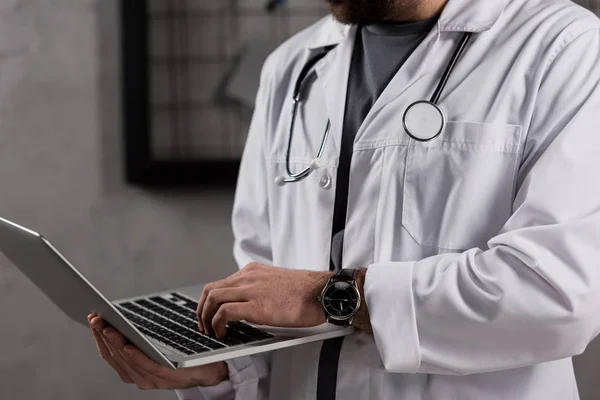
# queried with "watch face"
point(340, 300)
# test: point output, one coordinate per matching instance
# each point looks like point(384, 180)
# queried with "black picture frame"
point(141, 169)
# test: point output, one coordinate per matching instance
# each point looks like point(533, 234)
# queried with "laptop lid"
point(64, 285)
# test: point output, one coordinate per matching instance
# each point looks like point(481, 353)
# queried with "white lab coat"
point(482, 246)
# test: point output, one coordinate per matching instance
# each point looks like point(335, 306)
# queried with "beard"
point(366, 12)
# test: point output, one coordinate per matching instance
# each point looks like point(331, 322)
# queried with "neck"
point(416, 10)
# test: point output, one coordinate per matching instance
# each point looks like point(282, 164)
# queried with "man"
point(476, 251)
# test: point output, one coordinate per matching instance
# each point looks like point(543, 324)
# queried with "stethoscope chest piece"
point(424, 121)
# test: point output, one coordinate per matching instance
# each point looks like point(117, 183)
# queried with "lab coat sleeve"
point(252, 243)
point(533, 294)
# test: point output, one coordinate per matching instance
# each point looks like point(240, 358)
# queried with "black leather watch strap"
point(338, 323)
point(346, 275)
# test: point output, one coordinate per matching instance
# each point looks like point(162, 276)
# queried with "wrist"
point(361, 319)
point(360, 281)
point(311, 284)
point(320, 281)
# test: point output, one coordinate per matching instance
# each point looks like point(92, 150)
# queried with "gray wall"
point(60, 172)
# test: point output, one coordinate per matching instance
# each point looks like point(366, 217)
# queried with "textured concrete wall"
point(60, 172)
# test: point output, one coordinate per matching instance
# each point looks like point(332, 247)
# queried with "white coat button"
point(325, 181)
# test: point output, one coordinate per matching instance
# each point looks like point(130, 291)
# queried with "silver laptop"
point(163, 325)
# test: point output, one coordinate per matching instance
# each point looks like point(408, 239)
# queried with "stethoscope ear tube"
point(313, 166)
point(297, 94)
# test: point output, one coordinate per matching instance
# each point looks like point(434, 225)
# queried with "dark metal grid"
point(170, 139)
point(223, 137)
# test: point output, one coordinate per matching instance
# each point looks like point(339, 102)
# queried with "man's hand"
point(265, 296)
point(133, 366)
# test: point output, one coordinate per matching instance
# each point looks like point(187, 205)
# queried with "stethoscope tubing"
point(433, 102)
point(298, 176)
point(435, 98)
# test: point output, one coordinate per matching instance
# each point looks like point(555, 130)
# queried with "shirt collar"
point(457, 16)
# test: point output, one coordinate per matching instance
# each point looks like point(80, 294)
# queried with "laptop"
point(163, 325)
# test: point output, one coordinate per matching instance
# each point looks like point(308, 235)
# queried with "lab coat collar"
point(330, 32)
point(471, 15)
point(457, 16)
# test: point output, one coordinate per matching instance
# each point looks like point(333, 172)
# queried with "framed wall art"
point(189, 71)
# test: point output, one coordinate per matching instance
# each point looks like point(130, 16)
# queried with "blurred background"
point(97, 185)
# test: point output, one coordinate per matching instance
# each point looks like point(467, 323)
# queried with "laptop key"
point(177, 326)
point(174, 307)
point(187, 303)
point(167, 342)
point(185, 339)
point(253, 332)
point(240, 336)
point(229, 341)
point(199, 348)
point(215, 345)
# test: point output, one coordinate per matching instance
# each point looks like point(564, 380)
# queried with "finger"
point(91, 316)
point(116, 344)
point(151, 367)
point(230, 282)
point(215, 299)
point(180, 379)
point(232, 312)
point(107, 356)
point(205, 291)
point(163, 377)
point(98, 323)
point(102, 327)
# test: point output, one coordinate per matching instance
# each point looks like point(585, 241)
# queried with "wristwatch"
point(340, 298)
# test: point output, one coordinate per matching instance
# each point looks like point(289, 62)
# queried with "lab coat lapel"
point(333, 72)
point(414, 69)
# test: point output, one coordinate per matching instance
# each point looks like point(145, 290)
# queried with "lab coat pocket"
point(459, 187)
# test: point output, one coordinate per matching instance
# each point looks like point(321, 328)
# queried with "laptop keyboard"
point(172, 320)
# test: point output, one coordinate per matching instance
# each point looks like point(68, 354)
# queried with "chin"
point(364, 12)
point(340, 11)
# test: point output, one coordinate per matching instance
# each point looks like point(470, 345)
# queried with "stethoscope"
point(423, 120)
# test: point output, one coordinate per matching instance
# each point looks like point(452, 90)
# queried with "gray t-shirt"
point(379, 52)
